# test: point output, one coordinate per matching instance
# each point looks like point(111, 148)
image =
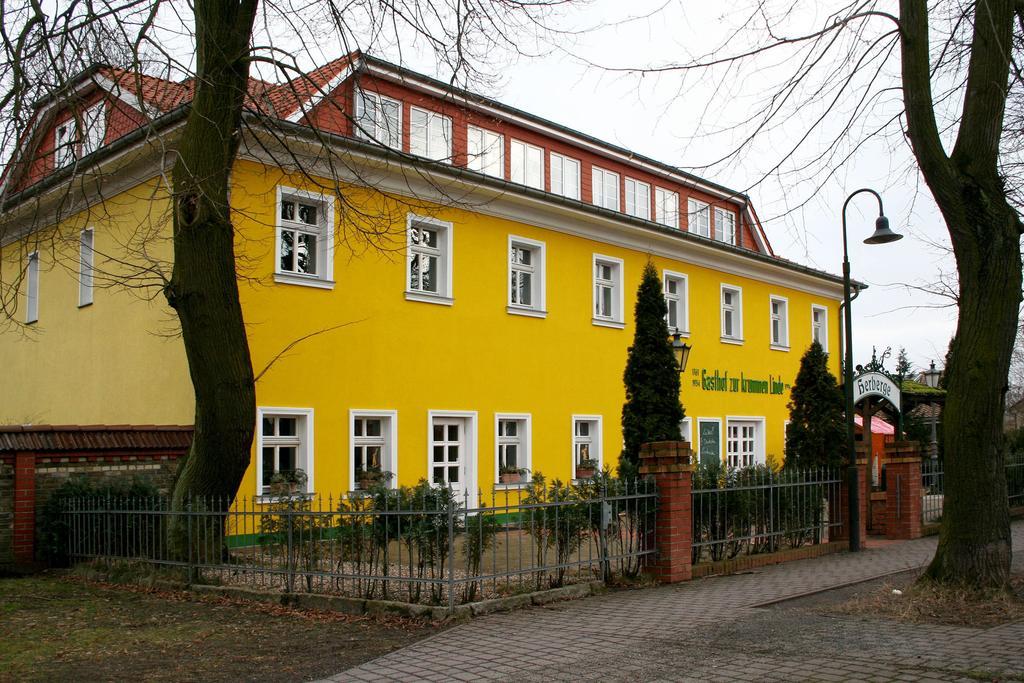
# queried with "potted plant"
point(586, 468)
point(509, 474)
point(287, 483)
point(373, 476)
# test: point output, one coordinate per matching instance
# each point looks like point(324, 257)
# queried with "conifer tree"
point(816, 433)
point(652, 411)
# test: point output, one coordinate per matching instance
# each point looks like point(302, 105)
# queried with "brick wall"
point(6, 510)
point(104, 470)
point(35, 461)
point(877, 518)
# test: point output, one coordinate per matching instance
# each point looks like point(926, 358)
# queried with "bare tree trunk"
point(203, 289)
point(974, 543)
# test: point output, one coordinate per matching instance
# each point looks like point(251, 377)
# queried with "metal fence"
point(417, 544)
point(757, 510)
point(933, 487)
point(1015, 479)
point(932, 491)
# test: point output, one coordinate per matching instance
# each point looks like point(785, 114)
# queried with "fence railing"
point(933, 486)
point(420, 544)
point(933, 491)
point(1015, 479)
point(756, 510)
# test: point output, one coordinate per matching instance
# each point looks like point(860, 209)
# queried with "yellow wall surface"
point(116, 361)
point(413, 357)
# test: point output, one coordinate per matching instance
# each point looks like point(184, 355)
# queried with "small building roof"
point(878, 425)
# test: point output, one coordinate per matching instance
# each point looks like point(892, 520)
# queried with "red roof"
point(38, 438)
point(278, 100)
point(878, 425)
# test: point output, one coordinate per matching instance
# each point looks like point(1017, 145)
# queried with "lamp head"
point(883, 235)
point(681, 350)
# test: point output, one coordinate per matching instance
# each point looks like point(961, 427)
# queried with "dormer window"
point(65, 139)
point(69, 145)
point(378, 119)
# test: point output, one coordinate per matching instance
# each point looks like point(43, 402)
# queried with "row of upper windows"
point(305, 233)
point(285, 444)
point(304, 239)
point(379, 119)
point(86, 277)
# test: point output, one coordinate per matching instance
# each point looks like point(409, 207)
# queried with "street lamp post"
point(882, 235)
point(931, 379)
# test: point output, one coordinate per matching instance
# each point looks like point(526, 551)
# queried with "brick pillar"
point(24, 508)
point(670, 462)
point(842, 533)
point(903, 490)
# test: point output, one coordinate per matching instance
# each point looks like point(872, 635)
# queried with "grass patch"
point(913, 602)
point(60, 627)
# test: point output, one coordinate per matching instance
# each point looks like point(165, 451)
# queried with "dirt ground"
point(902, 599)
point(58, 627)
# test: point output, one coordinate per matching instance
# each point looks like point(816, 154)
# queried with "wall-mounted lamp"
point(681, 350)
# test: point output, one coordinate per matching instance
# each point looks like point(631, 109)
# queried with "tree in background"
point(652, 411)
point(816, 435)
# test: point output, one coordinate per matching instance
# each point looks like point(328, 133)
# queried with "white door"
point(448, 454)
point(741, 443)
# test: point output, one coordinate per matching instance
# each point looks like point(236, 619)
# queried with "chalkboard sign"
point(710, 441)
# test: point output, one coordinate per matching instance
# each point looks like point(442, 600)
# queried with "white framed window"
point(732, 314)
point(512, 444)
point(744, 441)
point(565, 176)
point(430, 134)
point(526, 276)
point(779, 316)
point(819, 325)
point(666, 207)
point(95, 121)
point(677, 294)
point(451, 452)
point(725, 225)
point(586, 441)
point(686, 430)
point(638, 199)
point(378, 118)
point(32, 288)
point(527, 164)
point(608, 300)
point(85, 267)
point(65, 142)
point(699, 217)
point(486, 151)
point(304, 248)
point(428, 272)
point(373, 445)
point(605, 189)
point(284, 445)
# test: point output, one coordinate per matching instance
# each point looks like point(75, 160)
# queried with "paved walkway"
point(712, 629)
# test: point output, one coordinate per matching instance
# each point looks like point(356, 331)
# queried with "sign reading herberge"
point(875, 384)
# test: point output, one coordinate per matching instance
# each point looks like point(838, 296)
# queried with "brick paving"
point(713, 629)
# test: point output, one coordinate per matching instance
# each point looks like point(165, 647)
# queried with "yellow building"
point(444, 287)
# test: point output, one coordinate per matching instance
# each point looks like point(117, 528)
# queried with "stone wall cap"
point(61, 438)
